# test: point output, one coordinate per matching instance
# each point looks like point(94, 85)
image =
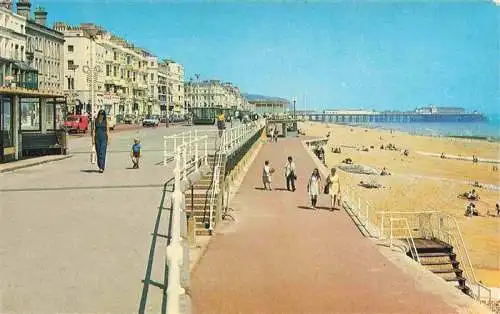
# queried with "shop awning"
point(21, 65)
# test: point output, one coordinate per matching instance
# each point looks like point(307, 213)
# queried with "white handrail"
point(409, 238)
point(174, 249)
point(445, 227)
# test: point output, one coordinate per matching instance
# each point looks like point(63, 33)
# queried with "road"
point(75, 240)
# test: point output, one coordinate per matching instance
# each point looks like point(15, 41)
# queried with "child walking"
point(135, 154)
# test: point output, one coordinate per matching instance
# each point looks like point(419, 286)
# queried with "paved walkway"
point(281, 257)
point(76, 241)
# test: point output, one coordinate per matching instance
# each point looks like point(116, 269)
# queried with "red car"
point(77, 123)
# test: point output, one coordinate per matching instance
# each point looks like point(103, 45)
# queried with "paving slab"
point(282, 257)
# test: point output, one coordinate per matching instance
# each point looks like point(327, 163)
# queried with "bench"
point(38, 144)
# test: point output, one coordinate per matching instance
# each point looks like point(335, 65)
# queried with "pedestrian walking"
point(101, 139)
point(221, 123)
point(313, 187)
point(267, 172)
point(332, 188)
point(275, 134)
point(135, 154)
point(290, 175)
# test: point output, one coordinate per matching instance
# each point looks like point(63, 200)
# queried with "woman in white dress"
point(313, 187)
point(333, 183)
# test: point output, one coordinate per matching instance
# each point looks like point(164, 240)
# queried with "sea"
point(488, 130)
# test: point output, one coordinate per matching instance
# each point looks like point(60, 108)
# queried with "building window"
point(71, 48)
point(115, 70)
point(115, 55)
point(70, 64)
point(30, 114)
point(152, 77)
point(49, 114)
point(108, 70)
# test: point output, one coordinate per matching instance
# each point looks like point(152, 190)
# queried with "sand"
point(421, 182)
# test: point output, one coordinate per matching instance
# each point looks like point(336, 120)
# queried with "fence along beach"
point(425, 182)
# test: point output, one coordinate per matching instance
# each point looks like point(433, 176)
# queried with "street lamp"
point(92, 72)
point(294, 114)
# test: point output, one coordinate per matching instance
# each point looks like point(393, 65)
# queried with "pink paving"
point(282, 257)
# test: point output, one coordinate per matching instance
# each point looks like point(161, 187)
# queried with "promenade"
point(73, 240)
point(282, 257)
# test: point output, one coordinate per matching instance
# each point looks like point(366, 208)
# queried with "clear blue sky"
point(378, 55)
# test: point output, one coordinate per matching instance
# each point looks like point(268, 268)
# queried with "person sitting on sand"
point(495, 168)
point(471, 210)
point(497, 207)
point(364, 149)
point(472, 195)
point(385, 172)
point(347, 161)
point(443, 156)
point(382, 146)
point(474, 159)
point(406, 152)
point(372, 185)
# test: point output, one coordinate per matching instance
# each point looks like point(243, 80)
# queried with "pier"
point(393, 117)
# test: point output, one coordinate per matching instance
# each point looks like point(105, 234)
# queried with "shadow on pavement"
point(69, 188)
point(317, 207)
point(147, 277)
point(90, 171)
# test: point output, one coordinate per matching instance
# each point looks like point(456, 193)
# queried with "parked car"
point(129, 119)
point(76, 123)
point(151, 121)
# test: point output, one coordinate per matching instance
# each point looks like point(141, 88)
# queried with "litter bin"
point(62, 139)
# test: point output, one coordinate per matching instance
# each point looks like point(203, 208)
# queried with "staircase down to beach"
point(198, 200)
point(438, 257)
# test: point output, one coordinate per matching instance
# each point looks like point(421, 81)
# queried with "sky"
point(372, 54)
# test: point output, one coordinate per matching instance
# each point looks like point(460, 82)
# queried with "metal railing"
point(172, 142)
point(232, 138)
point(406, 236)
point(443, 227)
point(175, 254)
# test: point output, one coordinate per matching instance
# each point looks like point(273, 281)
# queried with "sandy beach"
point(425, 182)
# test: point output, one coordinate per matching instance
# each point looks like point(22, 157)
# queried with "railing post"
point(195, 153)
point(382, 227)
point(164, 151)
point(206, 150)
point(174, 250)
point(190, 148)
point(175, 145)
point(184, 161)
point(390, 243)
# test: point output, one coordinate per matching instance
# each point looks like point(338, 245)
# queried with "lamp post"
point(294, 114)
point(92, 72)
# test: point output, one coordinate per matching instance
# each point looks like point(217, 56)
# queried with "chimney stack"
point(41, 16)
point(24, 8)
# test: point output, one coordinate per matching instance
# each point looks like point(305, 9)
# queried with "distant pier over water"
point(424, 114)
